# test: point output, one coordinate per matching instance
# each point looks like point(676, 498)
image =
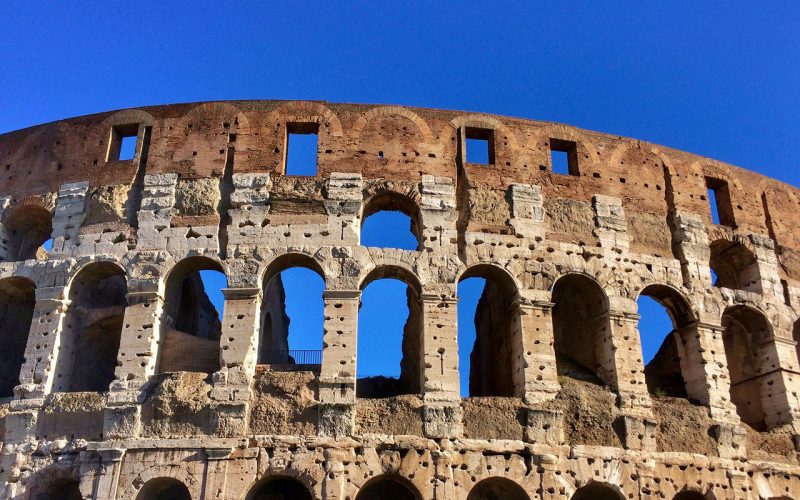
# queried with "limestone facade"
point(119, 384)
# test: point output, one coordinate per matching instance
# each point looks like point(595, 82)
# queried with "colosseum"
point(120, 381)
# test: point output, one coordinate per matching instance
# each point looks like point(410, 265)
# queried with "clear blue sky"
point(720, 79)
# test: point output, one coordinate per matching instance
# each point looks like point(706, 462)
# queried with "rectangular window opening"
point(563, 157)
point(122, 143)
point(719, 201)
point(480, 145)
point(301, 148)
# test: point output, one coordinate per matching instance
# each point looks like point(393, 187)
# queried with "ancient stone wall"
point(120, 382)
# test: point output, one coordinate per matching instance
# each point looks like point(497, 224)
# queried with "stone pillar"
point(248, 210)
point(527, 211)
point(239, 341)
point(41, 351)
point(440, 377)
point(768, 279)
point(611, 226)
point(703, 366)
point(238, 353)
point(137, 358)
point(438, 210)
point(780, 380)
point(337, 380)
point(155, 215)
point(622, 363)
point(69, 215)
point(534, 361)
point(106, 474)
point(690, 240)
point(343, 205)
point(216, 473)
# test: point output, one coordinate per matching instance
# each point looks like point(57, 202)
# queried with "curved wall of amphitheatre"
point(120, 383)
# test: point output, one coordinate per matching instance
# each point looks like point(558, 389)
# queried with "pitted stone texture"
point(556, 415)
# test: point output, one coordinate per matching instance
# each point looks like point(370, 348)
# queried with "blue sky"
point(720, 79)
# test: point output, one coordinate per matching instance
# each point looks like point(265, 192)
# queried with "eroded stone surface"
point(120, 381)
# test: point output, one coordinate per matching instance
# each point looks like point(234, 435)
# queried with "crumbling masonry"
point(121, 382)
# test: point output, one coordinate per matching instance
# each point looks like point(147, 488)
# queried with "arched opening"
point(663, 314)
point(192, 312)
point(17, 301)
point(745, 329)
point(389, 329)
point(497, 488)
point(391, 220)
point(734, 266)
point(581, 329)
point(61, 489)
point(280, 488)
point(689, 495)
point(164, 488)
point(388, 486)
point(292, 314)
point(89, 341)
point(27, 229)
point(596, 491)
point(489, 336)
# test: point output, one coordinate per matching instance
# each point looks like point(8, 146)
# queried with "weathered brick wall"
point(207, 190)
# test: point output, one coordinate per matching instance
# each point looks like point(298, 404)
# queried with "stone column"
point(238, 353)
point(780, 380)
point(69, 215)
point(239, 341)
point(137, 358)
point(440, 377)
point(216, 472)
point(438, 213)
point(337, 380)
point(534, 361)
point(41, 351)
point(106, 474)
point(620, 358)
point(703, 366)
point(343, 205)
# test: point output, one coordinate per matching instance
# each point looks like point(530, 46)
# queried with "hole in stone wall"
point(89, 341)
point(60, 488)
point(301, 148)
point(734, 266)
point(480, 145)
point(662, 315)
point(596, 491)
point(745, 331)
point(17, 301)
point(564, 157)
point(164, 488)
point(385, 487)
point(122, 142)
point(497, 488)
point(486, 333)
point(390, 220)
point(292, 320)
point(28, 228)
point(580, 325)
point(192, 311)
point(719, 199)
point(389, 349)
point(277, 488)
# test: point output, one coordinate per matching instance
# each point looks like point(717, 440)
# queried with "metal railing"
point(291, 357)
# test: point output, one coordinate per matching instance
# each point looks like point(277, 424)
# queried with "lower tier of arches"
point(403, 468)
